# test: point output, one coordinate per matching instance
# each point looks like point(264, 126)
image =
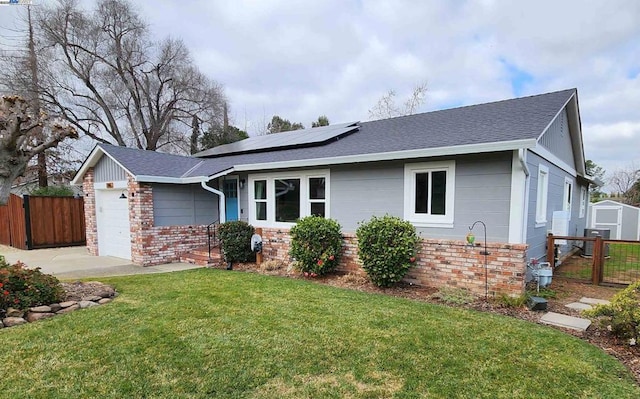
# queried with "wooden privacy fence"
point(42, 222)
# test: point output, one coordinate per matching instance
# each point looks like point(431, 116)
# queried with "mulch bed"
point(566, 291)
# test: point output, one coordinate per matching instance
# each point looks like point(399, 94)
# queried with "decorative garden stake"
point(471, 240)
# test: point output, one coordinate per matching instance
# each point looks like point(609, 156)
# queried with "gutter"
point(222, 205)
point(527, 186)
point(522, 162)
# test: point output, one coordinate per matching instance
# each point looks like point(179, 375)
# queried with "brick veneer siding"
point(440, 263)
point(91, 227)
point(153, 245)
point(150, 245)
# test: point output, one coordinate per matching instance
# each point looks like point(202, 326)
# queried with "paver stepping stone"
point(594, 301)
point(579, 306)
point(561, 320)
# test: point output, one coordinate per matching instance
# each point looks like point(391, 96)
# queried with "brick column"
point(140, 197)
point(91, 226)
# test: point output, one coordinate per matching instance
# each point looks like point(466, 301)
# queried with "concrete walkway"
point(75, 262)
point(574, 323)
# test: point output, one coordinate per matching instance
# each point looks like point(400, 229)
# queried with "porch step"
point(200, 256)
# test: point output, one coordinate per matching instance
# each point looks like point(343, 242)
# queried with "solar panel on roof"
point(296, 138)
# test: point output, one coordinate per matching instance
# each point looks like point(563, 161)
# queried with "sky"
point(303, 59)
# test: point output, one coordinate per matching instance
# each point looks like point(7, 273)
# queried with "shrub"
point(316, 243)
point(387, 249)
point(507, 301)
point(235, 238)
point(622, 315)
point(23, 288)
point(454, 296)
point(53, 191)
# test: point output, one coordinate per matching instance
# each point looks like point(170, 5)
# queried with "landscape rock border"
point(79, 295)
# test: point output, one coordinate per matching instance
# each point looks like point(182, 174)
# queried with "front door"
point(230, 190)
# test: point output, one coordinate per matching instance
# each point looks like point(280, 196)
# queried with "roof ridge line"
point(472, 105)
point(192, 168)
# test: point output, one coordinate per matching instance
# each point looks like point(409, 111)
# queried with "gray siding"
point(359, 192)
point(558, 140)
point(536, 235)
point(180, 205)
point(482, 192)
point(107, 170)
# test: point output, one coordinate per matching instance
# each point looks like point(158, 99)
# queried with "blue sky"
point(302, 59)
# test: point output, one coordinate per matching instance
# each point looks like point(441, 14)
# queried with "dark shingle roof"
point(502, 121)
point(150, 163)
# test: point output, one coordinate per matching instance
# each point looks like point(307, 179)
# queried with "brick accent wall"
point(152, 245)
point(91, 227)
point(440, 263)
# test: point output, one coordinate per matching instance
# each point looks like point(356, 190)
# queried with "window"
point(260, 199)
point(287, 195)
point(281, 199)
point(317, 197)
point(543, 191)
point(568, 195)
point(583, 201)
point(429, 193)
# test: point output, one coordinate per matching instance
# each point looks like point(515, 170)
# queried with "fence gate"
point(42, 222)
point(610, 261)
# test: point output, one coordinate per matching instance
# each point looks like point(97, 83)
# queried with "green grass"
point(211, 333)
point(622, 258)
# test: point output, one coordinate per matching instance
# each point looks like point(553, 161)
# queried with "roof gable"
point(138, 162)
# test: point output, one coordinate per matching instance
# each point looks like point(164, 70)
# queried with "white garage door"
point(112, 217)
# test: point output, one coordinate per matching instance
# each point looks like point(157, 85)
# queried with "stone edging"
point(16, 317)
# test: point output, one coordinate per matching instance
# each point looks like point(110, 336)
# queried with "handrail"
point(215, 231)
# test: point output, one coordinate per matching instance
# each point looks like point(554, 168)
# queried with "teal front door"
point(230, 190)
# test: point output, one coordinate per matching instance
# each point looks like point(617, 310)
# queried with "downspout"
point(220, 194)
point(525, 168)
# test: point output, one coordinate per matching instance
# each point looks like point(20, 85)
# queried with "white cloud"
point(301, 59)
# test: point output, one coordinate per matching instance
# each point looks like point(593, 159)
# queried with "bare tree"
point(386, 106)
point(112, 83)
point(624, 182)
point(19, 141)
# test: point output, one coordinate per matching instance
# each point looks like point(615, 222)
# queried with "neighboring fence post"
point(27, 221)
point(551, 254)
point(598, 260)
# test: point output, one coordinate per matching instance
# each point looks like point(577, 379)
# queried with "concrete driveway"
point(75, 262)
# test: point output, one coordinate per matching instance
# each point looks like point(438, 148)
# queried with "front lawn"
point(212, 333)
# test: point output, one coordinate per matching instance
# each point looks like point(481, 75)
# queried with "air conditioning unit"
point(588, 245)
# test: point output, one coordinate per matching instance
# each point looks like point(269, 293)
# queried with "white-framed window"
point(583, 201)
point(280, 199)
point(542, 195)
point(429, 193)
point(568, 195)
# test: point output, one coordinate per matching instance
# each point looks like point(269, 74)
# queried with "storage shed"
point(621, 219)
